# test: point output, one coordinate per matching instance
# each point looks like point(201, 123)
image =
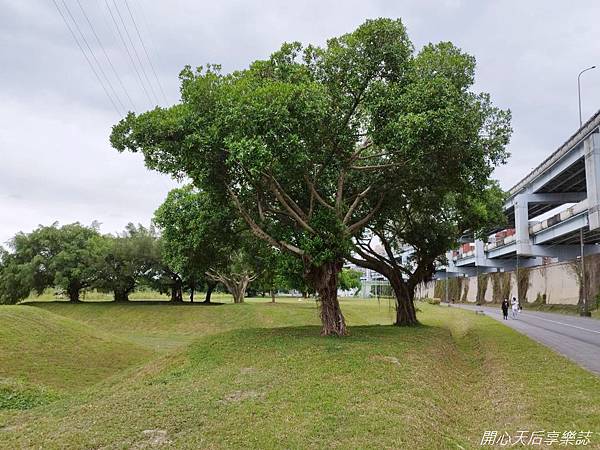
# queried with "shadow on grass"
point(313, 332)
point(120, 303)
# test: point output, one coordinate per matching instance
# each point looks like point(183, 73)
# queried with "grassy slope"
point(432, 386)
point(39, 347)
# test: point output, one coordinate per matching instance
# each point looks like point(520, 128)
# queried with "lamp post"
point(584, 311)
point(579, 90)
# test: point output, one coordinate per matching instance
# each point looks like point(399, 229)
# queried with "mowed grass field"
point(258, 375)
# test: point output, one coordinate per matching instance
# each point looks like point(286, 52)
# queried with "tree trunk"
point(324, 279)
point(236, 283)
point(177, 292)
point(272, 295)
point(73, 291)
point(210, 287)
point(192, 289)
point(405, 306)
point(121, 296)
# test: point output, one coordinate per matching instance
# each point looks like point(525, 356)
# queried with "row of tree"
point(326, 153)
point(191, 246)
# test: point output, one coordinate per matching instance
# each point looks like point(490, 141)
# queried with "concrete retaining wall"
point(551, 284)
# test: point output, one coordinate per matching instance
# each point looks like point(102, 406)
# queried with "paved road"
point(577, 338)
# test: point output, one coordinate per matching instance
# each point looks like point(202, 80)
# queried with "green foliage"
point(197, 234)
point(349, 279)
point(290, 275)
point(450, 139)
point(316, 144)
point(128, 258)
point(307, 145)
point(329, 242)
point(433, 301)
point(51, 256)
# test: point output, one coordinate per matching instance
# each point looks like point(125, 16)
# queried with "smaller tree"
point(429, 226)
point(128, 259)
point(237, 276)
point(349, 279)
point(290, 275)
point(15, 278)
point(197, 236)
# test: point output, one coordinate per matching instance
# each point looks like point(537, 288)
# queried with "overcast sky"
point(55, 159)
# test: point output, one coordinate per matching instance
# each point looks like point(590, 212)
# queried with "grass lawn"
point(258, 375)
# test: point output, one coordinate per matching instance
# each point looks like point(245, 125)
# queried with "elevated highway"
point(568, 181)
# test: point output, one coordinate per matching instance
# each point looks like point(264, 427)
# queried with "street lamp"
point(584, 311)
point(579, 90)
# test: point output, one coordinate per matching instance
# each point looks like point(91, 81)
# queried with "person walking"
point(505, 309)
point(515, 307)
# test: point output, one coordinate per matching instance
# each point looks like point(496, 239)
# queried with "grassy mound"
point(40, 350)
point(438, 385)
point(165, 327)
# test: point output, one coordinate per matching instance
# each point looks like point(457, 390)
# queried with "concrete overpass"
point(568, 181)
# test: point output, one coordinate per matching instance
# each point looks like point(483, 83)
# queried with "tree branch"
point(289, 199)
point(362, 222)
point(375, 166)
point(320, 199)
point(360, 149)
point(355, 204)
point(340, 190)
point(290, 209)
point(388, 249)
point(258, 231)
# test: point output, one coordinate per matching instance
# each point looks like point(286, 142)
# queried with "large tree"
point(51, 257)
point(306, 144)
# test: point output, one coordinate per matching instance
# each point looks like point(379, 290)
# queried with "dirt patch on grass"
point(240, 396)
point(388, 359)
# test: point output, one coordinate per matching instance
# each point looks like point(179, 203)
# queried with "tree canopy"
point(51, 256)
point(314, 143)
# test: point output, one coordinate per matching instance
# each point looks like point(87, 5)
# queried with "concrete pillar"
point(592, 178)
point(522, 238)
point(479, 253)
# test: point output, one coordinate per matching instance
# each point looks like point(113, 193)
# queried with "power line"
point(93, 56)
point(128, 52)
point(86, 57)
point(145, 51)
point(148, 34)
point(106, 56)
point(135, 50)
